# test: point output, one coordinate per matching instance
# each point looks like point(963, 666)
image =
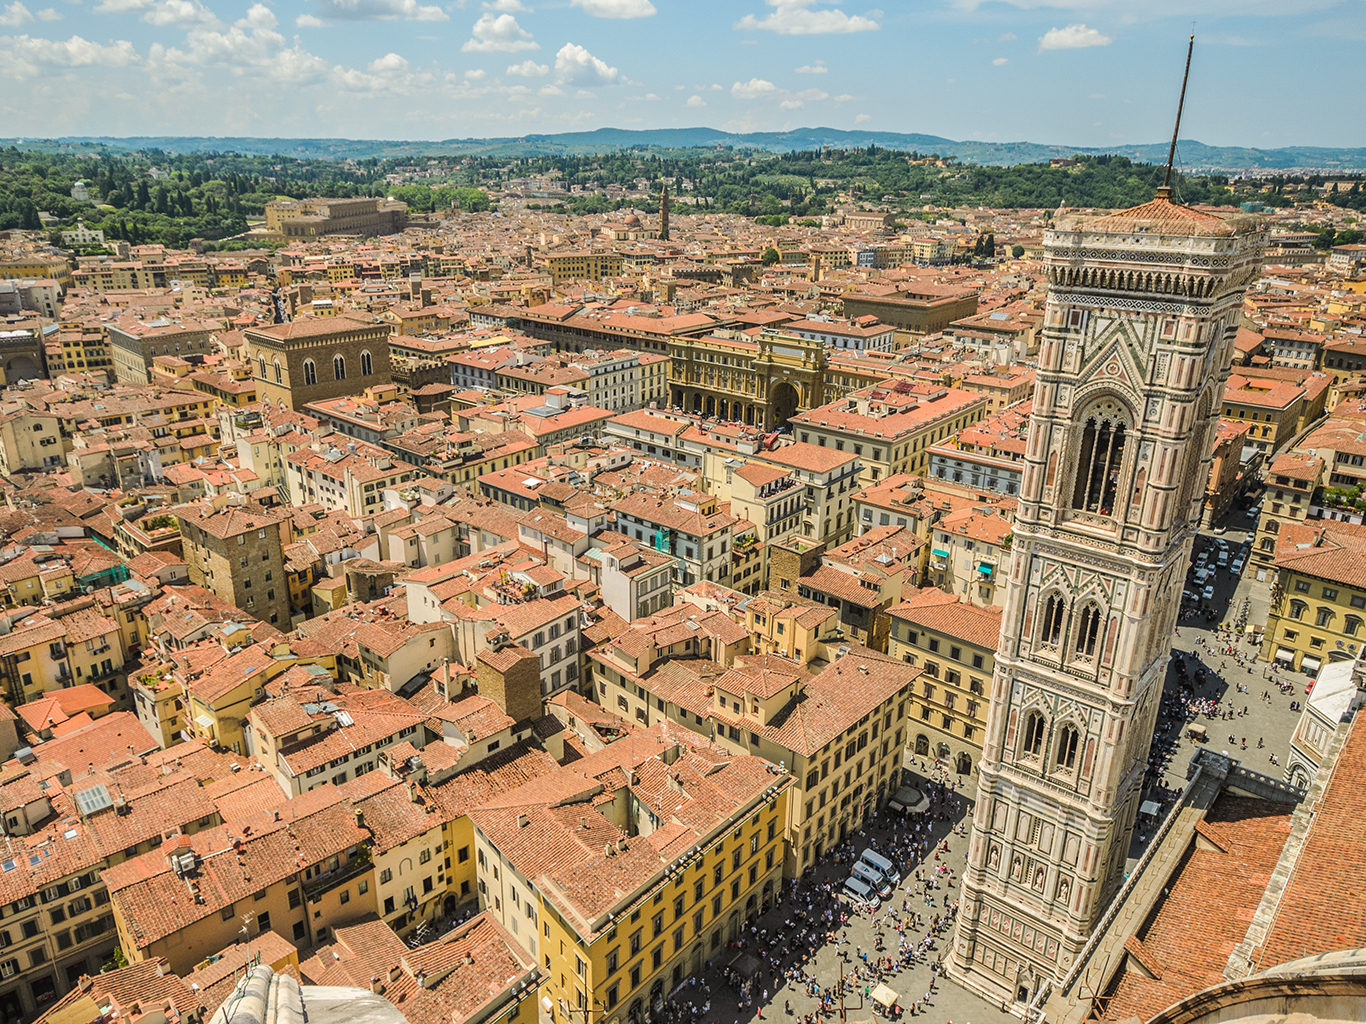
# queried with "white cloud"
point(49, 14)
point(1001, 60)
point(500, 34)
point(862, 118)
point(752, 89)
point(695, 101)
point(716, 87)
point(15, 14)
point(380, 10)
point(798, 99)
point(528, 69)
point(843, 97)
point(308, 21)
point(817, 68)
point(507, 6)
point(390, 63)
point(577, 66)
point(617, 8)
point(24, 55)
point(796, 18)
point(1073, 37)
point(1006, 37)
point(550, 90)
point(474, 74)
point(179, 13)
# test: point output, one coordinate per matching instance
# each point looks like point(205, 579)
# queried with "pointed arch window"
point(262, 360)
point(1033, 735)
point(1099, 462)
point(1068, 741)
point(339, 367)
point(310, 372)
point(1054, 610)
point(1089, 631)
point(278, 378)
point(367, 365)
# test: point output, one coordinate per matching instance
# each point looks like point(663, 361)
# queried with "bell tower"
point(1142, 309)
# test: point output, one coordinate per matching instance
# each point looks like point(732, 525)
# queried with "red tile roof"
point(1324, 906)
point(1207, 908)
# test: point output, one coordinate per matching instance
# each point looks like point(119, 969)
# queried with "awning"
point(884, 996)
point(939, 554)
point(1149, 807)
point(986, 568)
point(203, 721)
point(1286, 656)
point(1309, 664)
point(910, 800)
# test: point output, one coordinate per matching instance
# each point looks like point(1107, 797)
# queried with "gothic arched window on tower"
point(1088, 631)
point(339, 367)
point(1067, 748)
point(1098, 465)
point(1033, 737)
point(1053, 611)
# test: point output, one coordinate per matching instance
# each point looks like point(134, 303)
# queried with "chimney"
point(376, 986)
point(360, 818)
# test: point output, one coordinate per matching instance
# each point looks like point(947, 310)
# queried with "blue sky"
point(1081, 72)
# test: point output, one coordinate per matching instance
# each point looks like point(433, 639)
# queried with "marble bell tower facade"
point(1142, 309)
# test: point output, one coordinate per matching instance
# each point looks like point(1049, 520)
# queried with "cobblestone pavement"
point(948, 1002)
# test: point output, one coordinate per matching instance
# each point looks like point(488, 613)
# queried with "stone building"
point(312, 218)
point(920, 308)
point(134, 343)
point(1142, 310)
point(316, 358)
point(238, 553)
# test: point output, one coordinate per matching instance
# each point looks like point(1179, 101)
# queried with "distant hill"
point(1194, 156)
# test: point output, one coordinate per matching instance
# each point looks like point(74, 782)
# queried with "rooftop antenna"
point(1165, 192)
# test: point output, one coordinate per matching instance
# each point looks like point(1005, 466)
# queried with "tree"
point(770, 256)
point(989, 246)
point(1017, 251)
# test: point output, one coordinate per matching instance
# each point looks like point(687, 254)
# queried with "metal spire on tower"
point(1166, 191)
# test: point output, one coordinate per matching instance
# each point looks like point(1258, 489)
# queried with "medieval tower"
point(1142, 309)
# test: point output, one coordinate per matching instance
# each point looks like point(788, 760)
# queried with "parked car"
point(881, 865)
point(1208, 593)
point(870, 877)
point(858, 891)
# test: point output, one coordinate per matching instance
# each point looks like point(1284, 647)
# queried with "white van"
point(881, 865)
point(873, 878)
point(859, 892)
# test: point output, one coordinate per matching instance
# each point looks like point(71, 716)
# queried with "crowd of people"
point(812, 914)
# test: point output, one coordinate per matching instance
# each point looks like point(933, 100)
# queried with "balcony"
point(316, 886)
